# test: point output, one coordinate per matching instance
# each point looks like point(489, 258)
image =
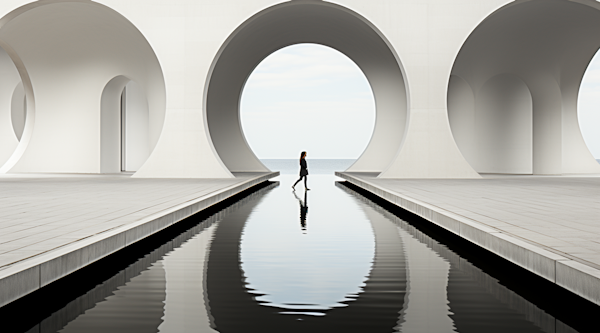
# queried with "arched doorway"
point(305, 22)
point(125, 126)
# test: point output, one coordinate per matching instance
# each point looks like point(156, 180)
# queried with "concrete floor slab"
point(548, 225)
point(53, 225)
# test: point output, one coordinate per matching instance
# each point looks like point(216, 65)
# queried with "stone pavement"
point(548, 225)
point(52, 224)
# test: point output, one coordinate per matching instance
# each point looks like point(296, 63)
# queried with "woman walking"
point(303, 171)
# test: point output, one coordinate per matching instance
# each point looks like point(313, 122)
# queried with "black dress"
point(303, 168)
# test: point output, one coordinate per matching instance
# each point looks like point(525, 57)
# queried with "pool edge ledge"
point(26, 276)
point(572, 275)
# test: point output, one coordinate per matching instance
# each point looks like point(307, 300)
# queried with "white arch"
point(548, 44)
point(304, 22)
point(66, 51)
point(10, 81)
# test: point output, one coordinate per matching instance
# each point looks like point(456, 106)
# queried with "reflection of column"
point(499, 297)
point(135, 307)
point(185, 307)
point(427, 300)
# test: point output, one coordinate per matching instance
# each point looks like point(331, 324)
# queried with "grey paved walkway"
point(51, 225)
point(549, 225)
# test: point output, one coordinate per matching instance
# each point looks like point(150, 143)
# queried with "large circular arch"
point(305, 22)
point(539, 48)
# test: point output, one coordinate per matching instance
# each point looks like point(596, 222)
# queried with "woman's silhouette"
point(303, 172)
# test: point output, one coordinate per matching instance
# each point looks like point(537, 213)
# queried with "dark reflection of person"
point(303, 210)
point(303, 172)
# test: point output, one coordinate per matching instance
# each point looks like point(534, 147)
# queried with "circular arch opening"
point(513, 90)
point(307, 97)
point(296, 23)
point(588, 106)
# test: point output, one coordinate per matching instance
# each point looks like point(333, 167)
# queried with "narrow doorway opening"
point(134, 133)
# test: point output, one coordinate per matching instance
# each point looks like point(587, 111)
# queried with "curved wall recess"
point(494, 130)
point(10, 86)
point(18, 111)
point(304, 22)
point(539, 46)
point(66, 51)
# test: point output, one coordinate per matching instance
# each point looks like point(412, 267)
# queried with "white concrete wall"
point(494, 130)
point(69, 51)
point(547, 45)
point(66, 51)
point(503, 122)
point(18, 110)
point(135, 129)
point(9, 82)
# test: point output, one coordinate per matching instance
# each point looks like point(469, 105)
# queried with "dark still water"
point(326, 260)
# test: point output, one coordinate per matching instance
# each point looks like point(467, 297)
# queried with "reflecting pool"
point(325, 260)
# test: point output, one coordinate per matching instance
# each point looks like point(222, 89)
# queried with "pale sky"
point(311, 97)
point(307, 97)
point(589, 106)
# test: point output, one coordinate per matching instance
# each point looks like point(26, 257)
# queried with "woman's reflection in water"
point(303, 210)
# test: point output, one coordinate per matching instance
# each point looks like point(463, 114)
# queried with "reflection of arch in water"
point(190, 250)
point(233, 308)
point(461, 269)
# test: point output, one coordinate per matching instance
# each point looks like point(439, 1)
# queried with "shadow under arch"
point(298, 22)
point(232, 308)
point(547, 45)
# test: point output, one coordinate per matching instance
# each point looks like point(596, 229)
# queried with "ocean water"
point(315, 166)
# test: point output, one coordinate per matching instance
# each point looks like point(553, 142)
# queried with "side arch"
point(548, 44)
point(70, 50)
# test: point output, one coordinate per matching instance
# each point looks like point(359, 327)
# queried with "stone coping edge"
point(27, 276)
point(578, 278)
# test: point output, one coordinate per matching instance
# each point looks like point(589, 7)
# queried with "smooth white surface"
point(547, 45)
point(9, 83)
point(66, 51)
point(18, 110)
point(504, 126)
point(136, 138)
point(70, 50)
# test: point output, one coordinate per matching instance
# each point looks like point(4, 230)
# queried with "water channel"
point(325, 260)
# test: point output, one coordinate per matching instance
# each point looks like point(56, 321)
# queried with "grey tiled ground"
point(40, 213)
point(559, 214)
